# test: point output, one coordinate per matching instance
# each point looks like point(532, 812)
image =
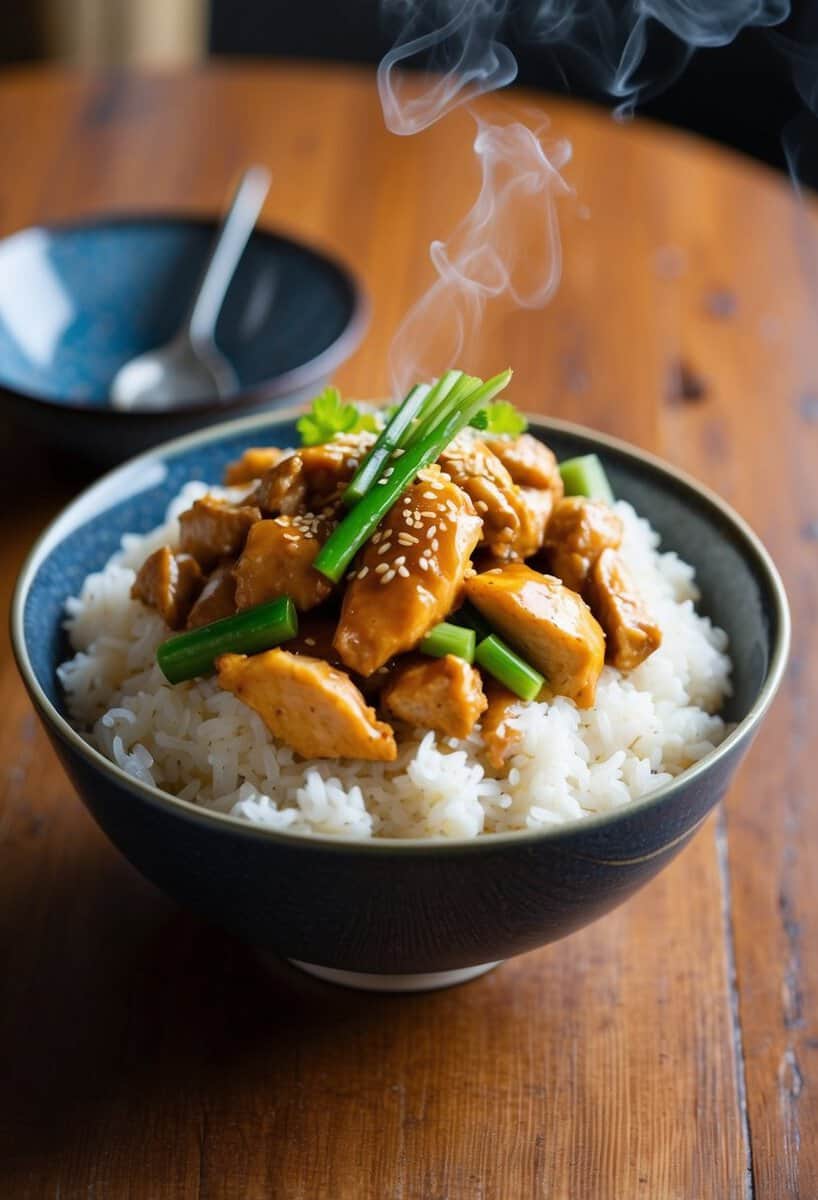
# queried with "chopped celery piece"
point(585, 476)
point(514, 672)
point(446, 638)
point(249, 632)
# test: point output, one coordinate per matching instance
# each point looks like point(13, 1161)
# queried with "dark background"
point(742, 94)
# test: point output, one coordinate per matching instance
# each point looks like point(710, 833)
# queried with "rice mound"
point(205, 746)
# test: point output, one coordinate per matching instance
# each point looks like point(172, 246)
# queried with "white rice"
point(204, 745)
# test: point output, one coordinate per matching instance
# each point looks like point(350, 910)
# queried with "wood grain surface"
point(669, 1051)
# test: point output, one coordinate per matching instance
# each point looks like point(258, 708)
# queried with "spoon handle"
point(227, 250)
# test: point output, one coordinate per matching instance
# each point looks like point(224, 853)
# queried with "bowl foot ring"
point(428, 981)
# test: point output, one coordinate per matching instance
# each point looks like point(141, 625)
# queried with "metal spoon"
point(190, 367)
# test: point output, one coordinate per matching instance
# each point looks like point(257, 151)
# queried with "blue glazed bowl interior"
point(739, 592)
point(76, 302)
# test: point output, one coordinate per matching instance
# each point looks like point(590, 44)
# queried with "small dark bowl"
point(79, 300)
point(402, 907)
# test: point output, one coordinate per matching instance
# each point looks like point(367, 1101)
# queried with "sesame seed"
point(383, 548)
point(428, 495)
point(407, 539)
point(481, 506)
point(376, 537)
point(400, 560)
point(364, 571)
point(423, 563)
point(381, 568)
point(435, 544)
point(403, 571)
point(388, 472)
point(397, 453)
point(388, 577)
point(431, 531)
point(309, 641)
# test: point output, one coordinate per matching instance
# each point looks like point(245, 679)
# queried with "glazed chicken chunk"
point(529, 462)
point(217, 598)
point(313, 479)
point(470, 464)
point(632, 633)
point(514, 517)
point(255, 461)
point(499, 737)
point(214, 529)
point(311, 706)
point(578, 531)
point(409, 574)
point(169, 583)
point(444, 694)
point(277, 561)
point(549, 624)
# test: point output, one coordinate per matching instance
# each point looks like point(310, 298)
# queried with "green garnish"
point(501, 417)
point(494, 656)
point(249, 632)
point(439, 424)
point(446, 638)
point(330, 415)
point(585, 476)
point(392, 437)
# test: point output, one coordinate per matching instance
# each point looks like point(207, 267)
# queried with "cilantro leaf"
point(328, 416)
point(501, 417)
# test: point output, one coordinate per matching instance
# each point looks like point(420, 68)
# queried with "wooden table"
point(670, 1050)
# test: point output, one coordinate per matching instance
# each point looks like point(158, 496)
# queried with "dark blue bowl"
point(401, 907)
point(77, 301)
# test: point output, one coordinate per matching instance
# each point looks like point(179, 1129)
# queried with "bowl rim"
point(247, 399)
point(740, 735)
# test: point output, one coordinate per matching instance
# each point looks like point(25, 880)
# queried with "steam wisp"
point(485, 257)
point(631, 49)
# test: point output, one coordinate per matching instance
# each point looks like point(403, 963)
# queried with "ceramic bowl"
point(408, 913)
point(79, 300)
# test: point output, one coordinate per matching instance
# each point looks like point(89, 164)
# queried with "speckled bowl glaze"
point(77, 301)
point(427, 912)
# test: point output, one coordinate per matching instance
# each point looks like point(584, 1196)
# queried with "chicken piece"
point(282, 490)
point(499, 738)
point(312, 707)
point(578, 531)
point(410, 573)
point(471, 465)
point(444, 694)
point(255, 461)
point(277, 561)
point(217, 598)
point(529, 462)
point(314, 638)
point(214, 529)
point(329, 467)
point(313, 479)
point(550, 625)
point(534, 507)
point(632, 634)
point(169, 583)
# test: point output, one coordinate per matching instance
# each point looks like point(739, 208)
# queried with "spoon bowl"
point(190, 367)
point(82, 299)
point(182, 372)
